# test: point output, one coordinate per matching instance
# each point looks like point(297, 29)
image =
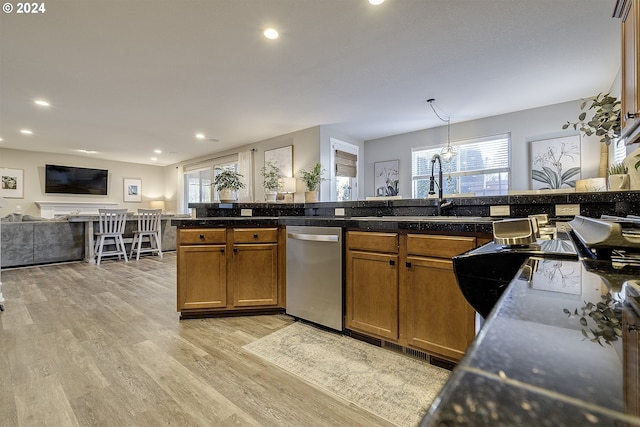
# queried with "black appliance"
point(485, 272)
point(605, 244)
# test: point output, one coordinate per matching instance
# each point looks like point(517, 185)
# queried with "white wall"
point(32, 163)
point(306, 153)
point(524, 126)
point(309, 146)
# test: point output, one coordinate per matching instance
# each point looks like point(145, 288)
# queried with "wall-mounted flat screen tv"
point(73, 180)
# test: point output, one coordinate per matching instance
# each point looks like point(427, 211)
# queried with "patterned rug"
point(390, 385)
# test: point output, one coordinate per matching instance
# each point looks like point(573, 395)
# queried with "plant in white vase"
point(271, 176)
point(228, 182)
point(312, 179)
point(619, 177)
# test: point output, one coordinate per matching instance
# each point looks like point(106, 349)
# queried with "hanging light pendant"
point(448, 152)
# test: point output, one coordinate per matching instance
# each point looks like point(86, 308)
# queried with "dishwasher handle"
point(314, 237)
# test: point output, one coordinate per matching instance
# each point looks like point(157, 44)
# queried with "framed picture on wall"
point(132, 190)
point(555, 163)
point(12, 183)
point(386, 178)
point(282, 158)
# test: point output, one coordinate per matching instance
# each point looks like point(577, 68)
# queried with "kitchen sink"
point(427, 218)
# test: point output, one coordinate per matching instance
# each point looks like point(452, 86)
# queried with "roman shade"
point(346, 164)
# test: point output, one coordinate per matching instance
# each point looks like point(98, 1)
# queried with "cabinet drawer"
point(439, 246)
point(372, 241)
point(255, 235)
point(202, 236)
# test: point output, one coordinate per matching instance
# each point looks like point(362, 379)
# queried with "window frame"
point(436, 149)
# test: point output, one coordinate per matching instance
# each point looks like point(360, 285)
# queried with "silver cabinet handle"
point(314, 237)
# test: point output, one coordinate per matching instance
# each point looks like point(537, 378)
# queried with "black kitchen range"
point(560, 342)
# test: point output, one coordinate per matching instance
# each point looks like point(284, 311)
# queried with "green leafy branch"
point(605, 121)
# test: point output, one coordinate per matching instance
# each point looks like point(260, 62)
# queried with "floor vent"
point(393, 346)
point(416, 354)
point(397, 348)
point(441, 363)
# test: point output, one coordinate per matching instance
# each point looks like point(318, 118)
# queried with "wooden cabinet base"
point(199, 314)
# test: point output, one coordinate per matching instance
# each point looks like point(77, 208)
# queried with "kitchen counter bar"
point(425, 223)
point(534, 364)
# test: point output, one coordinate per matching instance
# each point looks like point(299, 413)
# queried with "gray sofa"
point(33, 241)
point(29, 240)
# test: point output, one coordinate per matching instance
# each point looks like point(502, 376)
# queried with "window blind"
point(346, 164)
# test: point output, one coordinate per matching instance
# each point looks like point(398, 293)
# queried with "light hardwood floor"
point(85, 345)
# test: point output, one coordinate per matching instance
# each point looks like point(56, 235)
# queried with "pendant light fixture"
point(447, 153)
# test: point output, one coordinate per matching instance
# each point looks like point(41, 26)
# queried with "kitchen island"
point(530, 364)
point(533, 362)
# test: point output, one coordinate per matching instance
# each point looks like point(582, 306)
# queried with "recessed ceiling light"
point(200, 136)
point(1, 139)
point(376, 2)
point(87, 151)
point(271, 33)
point(154, 158)
point(26, 131)
point(157, 151)
point(42, 103)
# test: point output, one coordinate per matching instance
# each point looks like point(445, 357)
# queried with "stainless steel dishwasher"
point(314, 275)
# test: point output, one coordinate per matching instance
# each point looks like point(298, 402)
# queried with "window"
point(346, 166)
point(198, 180)
point(619, 152)
point(480, 167)
point(344, 173)
point(198, 186)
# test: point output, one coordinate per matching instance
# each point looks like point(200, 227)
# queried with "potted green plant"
point(228, 182)
point(604, 123)
point(271, 176)
point(312, 179)
point(619, 177)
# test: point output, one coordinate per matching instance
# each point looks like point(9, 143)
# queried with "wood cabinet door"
point(438, 318)
point(372, 293)
point(630, 63)
point(202, 277)
point(253, 275)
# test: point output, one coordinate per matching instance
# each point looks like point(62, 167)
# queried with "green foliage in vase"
point(228, 179)
point(270, 176)
point(313, 177)
point(618, 169)
point(605, 121)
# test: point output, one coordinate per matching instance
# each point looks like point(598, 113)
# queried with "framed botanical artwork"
point(555, 163)
point(12, 183)
point(132, 190)
point(283, 159)
point(385, 178)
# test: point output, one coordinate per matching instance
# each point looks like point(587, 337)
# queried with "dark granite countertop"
point(531, 363)
point(391, 223)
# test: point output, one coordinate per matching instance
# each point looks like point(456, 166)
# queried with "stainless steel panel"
point(314, 275)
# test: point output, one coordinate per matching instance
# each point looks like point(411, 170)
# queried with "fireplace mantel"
point(54, 209)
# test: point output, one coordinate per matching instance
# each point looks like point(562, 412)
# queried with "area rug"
point(390, 385)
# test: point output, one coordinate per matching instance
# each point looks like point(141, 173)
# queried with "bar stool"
point(148, 227)
point(111, 224)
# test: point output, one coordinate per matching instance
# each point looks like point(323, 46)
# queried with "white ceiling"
point(127, 77)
